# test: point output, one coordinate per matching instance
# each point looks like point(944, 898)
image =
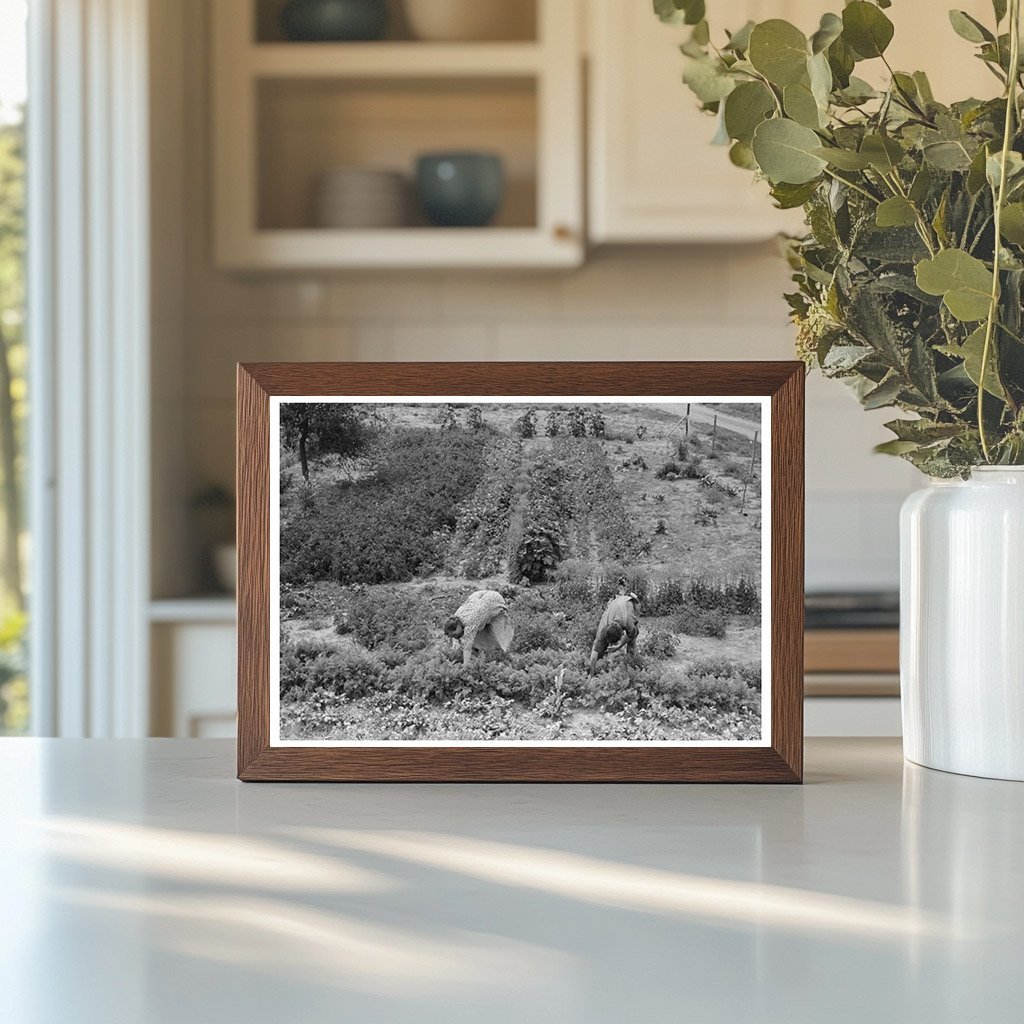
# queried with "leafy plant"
point(911, 275)
point(526, 425)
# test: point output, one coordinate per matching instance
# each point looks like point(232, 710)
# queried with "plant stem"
point(922, 225)
point(993, 309)
point(856, 188)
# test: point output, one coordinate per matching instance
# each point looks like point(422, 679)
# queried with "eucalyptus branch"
point(1000, 199)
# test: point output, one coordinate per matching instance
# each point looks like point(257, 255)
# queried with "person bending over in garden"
point(619, 627)
point(481, 624)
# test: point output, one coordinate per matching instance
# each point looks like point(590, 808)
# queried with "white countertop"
point(143, 885)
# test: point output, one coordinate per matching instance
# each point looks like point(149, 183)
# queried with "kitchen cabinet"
point(653, 175)
point(286, 113)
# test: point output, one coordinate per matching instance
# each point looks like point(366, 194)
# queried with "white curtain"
point(88, 318)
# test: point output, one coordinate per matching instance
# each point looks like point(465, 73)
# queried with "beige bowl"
point(471, 20)
point(357, 197)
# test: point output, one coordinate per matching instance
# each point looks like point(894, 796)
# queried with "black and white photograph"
point(534, 571)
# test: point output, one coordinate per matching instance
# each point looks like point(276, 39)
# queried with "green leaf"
point(1014, 169)
point(741, 155)
point(830, 29)
point(896, 447)
point(924, 87)
point(971, 352)
point(896, 212)
point(800, 105)
point(789, 197)
point(841, 60)
point(883, 153)
point(675, 12)
point(921, 185)
point(866, 29)
point(739, 41)
point(844, 159)
point(963, 281)
point(923, 431)
point(885, 394)
point(745, 108)
point(976, 173)
point(820, 77)
point(946, 156)
point(857, 91)
point(939, 220)
point(968, 28)
point(708, 80)
point(1012, 225)
point(785, 152)
point(778, 50)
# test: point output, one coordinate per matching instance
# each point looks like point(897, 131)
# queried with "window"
point(14, 704)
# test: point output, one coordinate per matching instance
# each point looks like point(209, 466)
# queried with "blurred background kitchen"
point(239, 180)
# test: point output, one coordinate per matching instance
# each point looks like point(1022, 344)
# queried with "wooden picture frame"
point(776, 758)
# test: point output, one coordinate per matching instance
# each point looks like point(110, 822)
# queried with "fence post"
point(750, 472)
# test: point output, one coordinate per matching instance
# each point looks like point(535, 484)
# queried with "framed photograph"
point(515, 572)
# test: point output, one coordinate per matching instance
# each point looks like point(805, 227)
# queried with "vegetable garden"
point(371, 566)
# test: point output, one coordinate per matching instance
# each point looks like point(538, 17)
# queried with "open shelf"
point(393, 60)
point(308, 127)
point(287, 113)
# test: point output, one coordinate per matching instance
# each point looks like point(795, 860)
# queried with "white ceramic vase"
point(962, 624)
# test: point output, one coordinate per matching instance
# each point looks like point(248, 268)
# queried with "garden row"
point(571, 507)
point(479, 543)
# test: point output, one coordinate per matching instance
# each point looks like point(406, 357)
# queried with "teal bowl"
point(460, 190)
point(334, 21)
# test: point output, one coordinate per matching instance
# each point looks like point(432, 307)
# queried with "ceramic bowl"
point(358, 197)
point(334, 20)
point(470, 20)
point(460, 189)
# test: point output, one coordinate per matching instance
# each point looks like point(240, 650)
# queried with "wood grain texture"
point(783, 382)
point(852, 650)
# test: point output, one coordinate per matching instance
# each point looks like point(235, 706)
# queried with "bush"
point(666, 597)
point(309, 666)
point(748, 673)
point(696, 621)
point(658, 644)
point(535, 630)
point(526, 425)
point(375, 618)
point(577, 421)
point(706, 515)
point(392, 525)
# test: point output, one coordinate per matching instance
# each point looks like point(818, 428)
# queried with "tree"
point(315, 429)
point(12, 349)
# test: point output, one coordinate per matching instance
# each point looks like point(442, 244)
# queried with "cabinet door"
point(653, 175)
